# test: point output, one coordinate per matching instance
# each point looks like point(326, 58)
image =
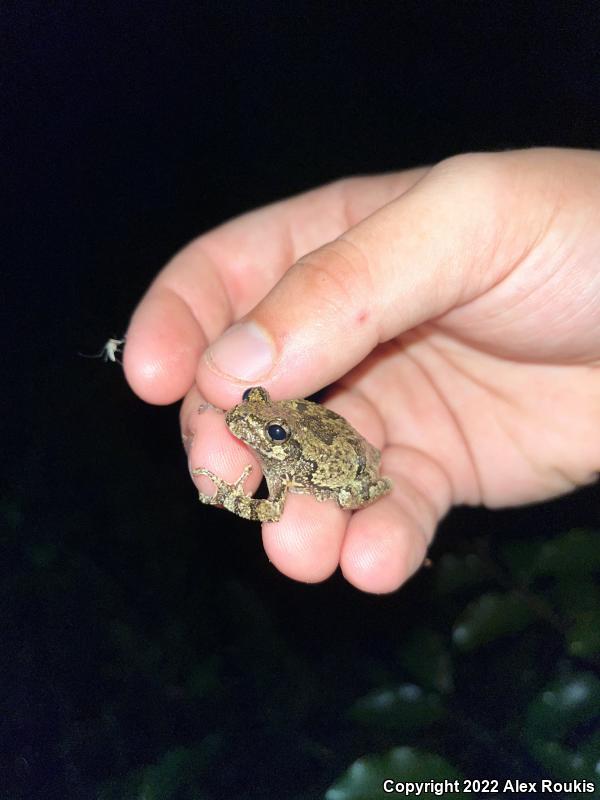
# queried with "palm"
point(502, 431)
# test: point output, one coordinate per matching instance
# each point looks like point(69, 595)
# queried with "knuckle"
point(479, 187)
point(338, 273)
point(475, 175)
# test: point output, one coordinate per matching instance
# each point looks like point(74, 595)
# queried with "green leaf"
point(520, 556)
point(583, 639)
point(489, 617)
point(564, 704)
point(177, 775)
point(590, 749)
point(425, 655)
point(454, 573)
point(565, 764)
point(576, 551)
point(578, 598)
point(364, 780)
point(404, 708)
point(165, 779)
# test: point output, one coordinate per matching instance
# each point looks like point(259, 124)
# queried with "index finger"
point(224, 273)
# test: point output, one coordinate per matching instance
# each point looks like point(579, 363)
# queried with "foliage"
point(540, 704)
point(141, 669)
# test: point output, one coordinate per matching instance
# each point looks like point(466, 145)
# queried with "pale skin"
point(454, 309)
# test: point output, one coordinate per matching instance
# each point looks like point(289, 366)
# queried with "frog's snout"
point(229, 419)
point(237, 424)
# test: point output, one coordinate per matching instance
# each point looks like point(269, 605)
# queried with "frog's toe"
point(239, 484)
point(208, 499)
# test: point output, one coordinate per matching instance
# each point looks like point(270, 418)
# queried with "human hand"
point(455, 310)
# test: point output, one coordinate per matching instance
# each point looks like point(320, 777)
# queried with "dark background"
point(139, 622)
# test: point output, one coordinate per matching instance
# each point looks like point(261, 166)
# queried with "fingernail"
point(244, 352)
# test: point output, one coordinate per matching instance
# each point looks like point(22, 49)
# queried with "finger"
point(210, 445)
point(306, 543)
point(434, 247)
point(223, 274)
point(387, 541)
point(164, 343)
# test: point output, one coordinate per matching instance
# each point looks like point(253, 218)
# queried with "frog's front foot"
point(238, 486)
point(220, 486)
point(224, 490)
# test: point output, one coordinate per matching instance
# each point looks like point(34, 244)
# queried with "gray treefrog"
point(302, 447)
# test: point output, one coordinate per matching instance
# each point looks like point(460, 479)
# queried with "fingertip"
point(164, 344)
point(387, 542)
point(305, 543)
point(383, 548)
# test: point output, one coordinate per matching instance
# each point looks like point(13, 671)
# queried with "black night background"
point(149, 650)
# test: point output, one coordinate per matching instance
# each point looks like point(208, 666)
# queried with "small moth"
point(109, 352)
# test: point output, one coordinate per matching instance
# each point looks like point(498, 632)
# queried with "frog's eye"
point(246, 394)
point(276, 432)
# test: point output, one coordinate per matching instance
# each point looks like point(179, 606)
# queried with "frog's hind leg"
point(367, 495)
point(233, 497)
point(221, 486)
point(373, 455)
point(269, 510)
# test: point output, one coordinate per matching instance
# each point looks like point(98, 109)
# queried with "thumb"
point(435, 247)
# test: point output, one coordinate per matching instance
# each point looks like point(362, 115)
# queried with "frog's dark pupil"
point(246, 394)
point(277, 432)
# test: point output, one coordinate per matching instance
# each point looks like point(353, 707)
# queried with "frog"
point(303, 447)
